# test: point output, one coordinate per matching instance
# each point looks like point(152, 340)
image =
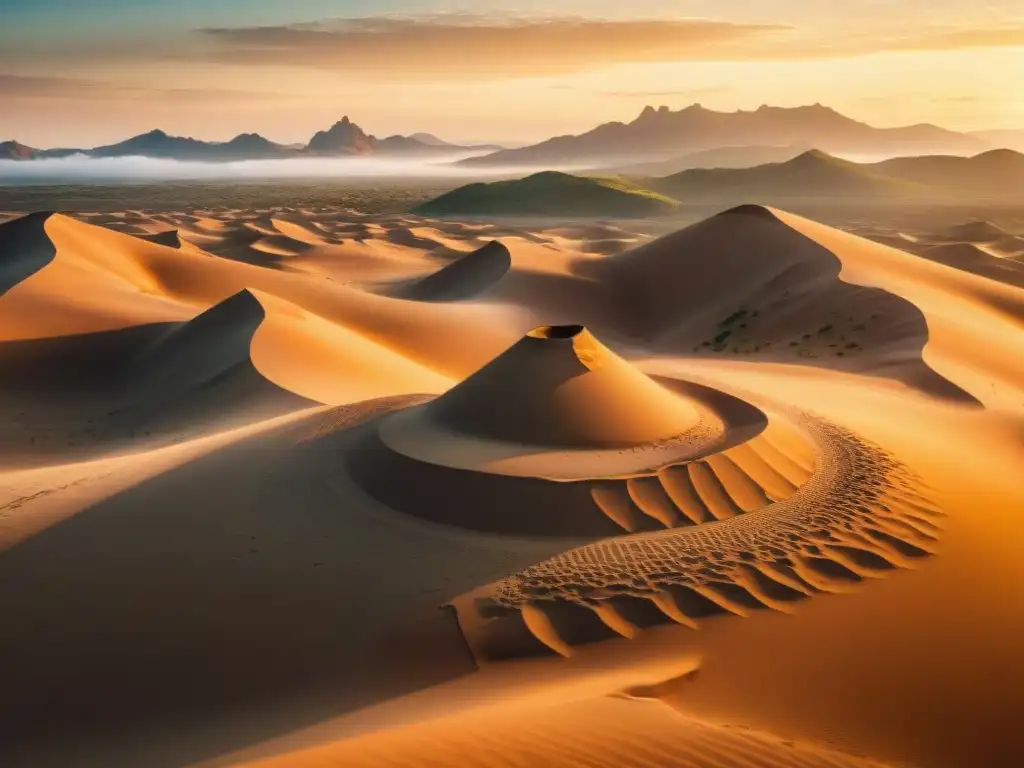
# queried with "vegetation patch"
point(551, 193)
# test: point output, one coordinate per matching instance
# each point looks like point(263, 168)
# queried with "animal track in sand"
point(860, 515)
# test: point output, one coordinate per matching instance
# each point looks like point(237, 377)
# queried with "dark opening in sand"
point(556, 331)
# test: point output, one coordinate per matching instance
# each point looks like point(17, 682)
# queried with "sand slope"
point(25, 250)
point(468, 276)
point(618, 733)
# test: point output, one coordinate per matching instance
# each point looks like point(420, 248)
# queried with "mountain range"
point(344, 138)
point(658, 142)
point(818, 176)
point(663, 134)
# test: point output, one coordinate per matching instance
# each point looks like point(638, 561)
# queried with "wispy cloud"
point(37, 87)
point(457, 47)
point(949, 39)
point(682, 93)
point(473, 47)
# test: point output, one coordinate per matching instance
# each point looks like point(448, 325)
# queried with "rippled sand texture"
point(319, 488)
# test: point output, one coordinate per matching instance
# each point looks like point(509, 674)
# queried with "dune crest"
point(24, 249)
point(465, 278)
point(204, 347)
point(169, 238)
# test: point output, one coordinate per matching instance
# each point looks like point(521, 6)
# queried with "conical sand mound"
point(554, 437)
point(559, 386)
point(470, 275)
point(559, 406)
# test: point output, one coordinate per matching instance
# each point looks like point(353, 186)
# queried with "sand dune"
point(975, 232)
point(775, 294)
point(26, 250)
point(973, 258)
point(314, 488)
point(619, 734)
point(560, 386)
point(462, 279)
point(168, 237)
point(203, 348)
point(112, 286)
point(546, 426)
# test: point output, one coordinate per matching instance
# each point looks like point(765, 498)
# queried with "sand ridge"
point(464, 278)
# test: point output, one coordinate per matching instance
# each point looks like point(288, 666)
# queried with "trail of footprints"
point(762, 525)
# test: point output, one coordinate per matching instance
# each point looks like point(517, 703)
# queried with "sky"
point(78, 73)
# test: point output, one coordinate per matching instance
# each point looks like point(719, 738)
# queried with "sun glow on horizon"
point(483, 74)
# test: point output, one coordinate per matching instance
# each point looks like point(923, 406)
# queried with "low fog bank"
point(82, 169)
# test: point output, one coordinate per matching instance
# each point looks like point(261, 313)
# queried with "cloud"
point(79, 168)
point(468, 46)
point(38, 87)
point(950, 39)
point(683, 93)
point(475, 47)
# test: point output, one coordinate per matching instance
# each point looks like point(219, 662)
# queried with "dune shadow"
point(234, 598)
point(25, 248)
point(83, 395)
point(464, 278)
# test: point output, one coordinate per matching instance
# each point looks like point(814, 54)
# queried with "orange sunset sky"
point(74, 73)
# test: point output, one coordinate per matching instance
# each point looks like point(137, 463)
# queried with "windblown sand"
point(317, 488)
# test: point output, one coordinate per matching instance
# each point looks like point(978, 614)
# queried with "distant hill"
point(719, 157)
point(430, 139)
point(13, 150)
point(976, 232)
point(252, 145)
point(159, 144)
point(344, 137)
point(660, 134)
point(433, 141)
point(550, 193)
point(820, 177)
point(347, 138)
point(408, 144)
point(1002, 138)
point(812, 175)
point(996, 173)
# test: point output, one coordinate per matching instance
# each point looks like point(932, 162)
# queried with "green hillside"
point(550, 193)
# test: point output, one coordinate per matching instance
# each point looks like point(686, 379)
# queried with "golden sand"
point(324, 489)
